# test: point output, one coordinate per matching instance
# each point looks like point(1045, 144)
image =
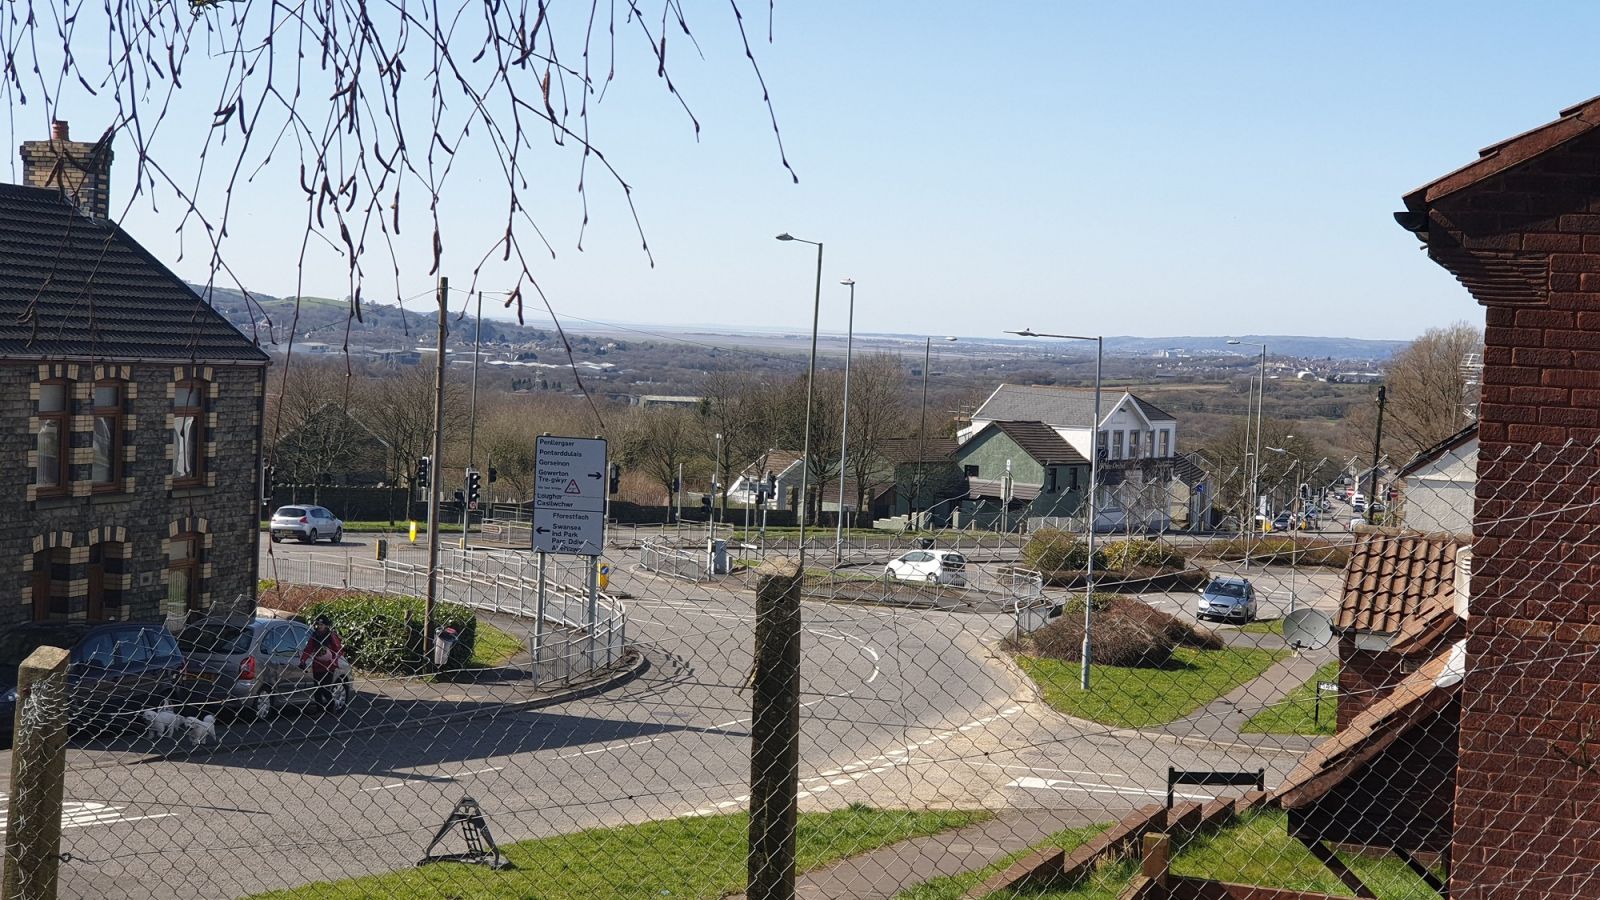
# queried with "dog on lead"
point(162, 723)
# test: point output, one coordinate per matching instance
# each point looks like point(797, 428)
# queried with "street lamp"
point(1094, 485)
point(1254, 470)
point(1294, 518)
point(922, 430)
point(844, 426)
point(811, 382)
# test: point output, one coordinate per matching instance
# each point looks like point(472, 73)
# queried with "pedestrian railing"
point(677, 562)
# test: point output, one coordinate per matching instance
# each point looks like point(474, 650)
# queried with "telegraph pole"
point(438, 470)
point(1377, 447)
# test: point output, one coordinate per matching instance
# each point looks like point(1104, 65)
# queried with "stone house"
point(1519, 227)
point(130, 411)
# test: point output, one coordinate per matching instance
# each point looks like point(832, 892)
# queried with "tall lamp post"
point(811, 383)
point(922, 431)
point(844, 426)
point(1094, 485)
point(1255, 466)
point(1294, 517)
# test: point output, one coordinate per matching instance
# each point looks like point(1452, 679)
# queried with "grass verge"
point(952, 887)
point(1297, 713)
point(1263, 626)
point(1138, 696)
point(689, 857)
point(493, 647)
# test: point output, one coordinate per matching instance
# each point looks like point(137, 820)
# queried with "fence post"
point(38, 767)
point(775, 726)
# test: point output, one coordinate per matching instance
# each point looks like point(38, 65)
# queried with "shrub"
point(1281, 549)
point(1126, 633)
point(1130, 554)
point(383, 632)
point(295, 598)
point(1052, 550)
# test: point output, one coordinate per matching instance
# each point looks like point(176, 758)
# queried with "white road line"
point(1093, 787)
point(430, 779)
point(84, 813)
point(1041, 769)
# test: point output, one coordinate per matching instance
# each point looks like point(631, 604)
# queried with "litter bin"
point(444, 641)
point(717, 554)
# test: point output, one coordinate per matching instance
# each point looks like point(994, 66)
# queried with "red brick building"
point(1520, 228)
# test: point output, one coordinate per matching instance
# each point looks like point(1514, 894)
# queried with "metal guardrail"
point(678, 562)
point(584, 638)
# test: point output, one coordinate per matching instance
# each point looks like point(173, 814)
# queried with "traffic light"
point(474, 482)
point(423, 465)
point(493, 475)
point(268, 472)
point(705, 503)
point(460, 499)
point(616, 477)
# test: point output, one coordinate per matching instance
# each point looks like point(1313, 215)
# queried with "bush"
point(1280, 549)
point(383, 633)
point(1051, 550)
point(1124, 556)
point(1126, 633)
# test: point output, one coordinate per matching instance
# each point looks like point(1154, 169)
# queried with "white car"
point(932, 566)
point(307, 524)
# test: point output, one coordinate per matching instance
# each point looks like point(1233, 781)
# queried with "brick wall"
point(1526, 242)
point(80, 170)
point(141, 516)
point(1365, 677)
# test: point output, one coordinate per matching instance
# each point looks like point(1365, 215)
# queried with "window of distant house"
point(971, 471)
point(50, 474)
point(1133, 445)
point(105, 570)
point(1164, 437)
point(188, 411)
point(1116, 445)
point(1100, 442)
point(107, 435)
point(1050, 480)
point(183, 573)
point(1074, 478)
point(50, 577)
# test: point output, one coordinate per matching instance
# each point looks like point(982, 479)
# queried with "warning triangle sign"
point(572, 486)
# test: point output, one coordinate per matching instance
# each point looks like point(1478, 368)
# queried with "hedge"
point(1126, 555)
point(1126, 633)
point(1051, 550)
point(383, 633)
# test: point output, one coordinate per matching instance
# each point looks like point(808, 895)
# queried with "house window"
point(52, 436)
point(1074, 478)
point(1164, 436)
point(1133, 445)
point(1116, 445)
point(1100, 443)
point(51, 576)
point(1050, 480)
point(183, 574)
point(108, 435)
point(188, 411)
point(970, 471)
point(105, 579)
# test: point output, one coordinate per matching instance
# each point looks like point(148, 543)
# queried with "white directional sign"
point(569, 495)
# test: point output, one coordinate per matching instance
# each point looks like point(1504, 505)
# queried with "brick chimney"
point(79, 170)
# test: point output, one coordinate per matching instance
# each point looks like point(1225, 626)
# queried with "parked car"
point(932, 566)
point(307, 524)
point(113, 670)
point(1227, 598)
point(1284, 522)
point(253, 665)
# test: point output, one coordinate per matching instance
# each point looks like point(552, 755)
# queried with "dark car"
point(114, 670)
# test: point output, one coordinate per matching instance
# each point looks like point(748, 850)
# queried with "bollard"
point(38, 766)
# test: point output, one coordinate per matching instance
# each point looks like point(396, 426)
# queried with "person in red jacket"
point(323, 649)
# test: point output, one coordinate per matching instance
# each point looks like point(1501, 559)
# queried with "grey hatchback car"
point(307, 524)
point(253, 665)
point(1228, 598)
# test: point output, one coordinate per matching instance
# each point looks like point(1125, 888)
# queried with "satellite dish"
point(1307, 629)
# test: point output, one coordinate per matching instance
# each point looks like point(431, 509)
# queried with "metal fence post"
point(538, 617)
point(38, 767)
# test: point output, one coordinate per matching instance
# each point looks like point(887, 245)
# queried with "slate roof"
point(1396, 583)
point(1066, 407)
point(1038, 440)
point(899, 451)
point(1449, 445)
point(95, 293)
point(777, 462)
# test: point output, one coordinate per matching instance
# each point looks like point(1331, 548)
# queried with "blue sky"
point(1131, 168)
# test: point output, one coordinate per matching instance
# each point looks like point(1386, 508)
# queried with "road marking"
point(1032, 783)
point(431, 779)
point(82, 814)
point(1057, 771)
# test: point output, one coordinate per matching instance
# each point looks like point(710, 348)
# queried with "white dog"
point(201, 730)
point(163, 722)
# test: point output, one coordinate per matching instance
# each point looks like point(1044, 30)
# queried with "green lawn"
point(688, 857)
point(1139, 697)
point(1255, 850)
point(493, 647)
point(1297, 713)
point(1263, 626)
point(951, 887)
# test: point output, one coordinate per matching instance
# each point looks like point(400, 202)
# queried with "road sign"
point(1328, 687)
point(569, 495)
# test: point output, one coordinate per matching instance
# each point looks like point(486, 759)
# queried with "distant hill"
point(1277, 345)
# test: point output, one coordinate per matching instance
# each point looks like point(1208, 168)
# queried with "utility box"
point(717, 556)
point(444, 641)
point(383, 548)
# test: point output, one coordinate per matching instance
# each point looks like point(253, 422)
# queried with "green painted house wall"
point(989, 452)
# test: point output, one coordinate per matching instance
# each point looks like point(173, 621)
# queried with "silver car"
point(253, 665)
point(307, 524)
point(1228, 598)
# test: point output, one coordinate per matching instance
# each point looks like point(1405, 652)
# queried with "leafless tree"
point(877, 413)
point(743, 411)
point(1430, 394)
point(658, 440)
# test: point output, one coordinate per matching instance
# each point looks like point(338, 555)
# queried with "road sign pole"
point(436, 476)
point(538, 618)
point(593, 612)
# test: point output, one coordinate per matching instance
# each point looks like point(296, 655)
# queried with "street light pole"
point(1094, 490)
point(1253, 467)
point(811, 383)
point(922, 433)
point(844, 426)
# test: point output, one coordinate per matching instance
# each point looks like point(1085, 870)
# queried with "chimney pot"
point(59, 130)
